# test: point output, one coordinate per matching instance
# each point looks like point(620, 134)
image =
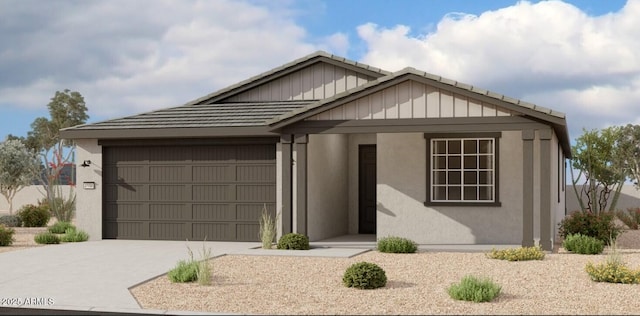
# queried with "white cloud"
point(549, 53)
point(132, 56)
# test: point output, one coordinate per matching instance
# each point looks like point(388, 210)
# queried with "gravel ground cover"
point(417, 284)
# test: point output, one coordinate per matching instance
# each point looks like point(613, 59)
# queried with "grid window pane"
point(485, 193)
point(486, 146)
point(470, 146)
point(485, 177)
point(440, 147)
point(454, 147)
point(470, 193)
point(440, 162)
point(454, 162)
point(455, 177)
point(486, 162)
point(455, 193)
point(440, 193)
point(470, 177)
point(440, 178)
point(471, 162)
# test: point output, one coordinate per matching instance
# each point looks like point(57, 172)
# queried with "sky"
point(128, 57)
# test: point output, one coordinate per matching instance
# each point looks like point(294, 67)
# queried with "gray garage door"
point(213, 192)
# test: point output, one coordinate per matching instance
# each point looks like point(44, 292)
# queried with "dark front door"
point(367, 189)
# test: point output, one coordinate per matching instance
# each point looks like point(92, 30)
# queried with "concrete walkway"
point(96, 276)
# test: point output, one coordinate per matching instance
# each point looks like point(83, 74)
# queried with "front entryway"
point(367, 189)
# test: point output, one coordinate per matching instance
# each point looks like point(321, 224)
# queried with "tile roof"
point(211, 115)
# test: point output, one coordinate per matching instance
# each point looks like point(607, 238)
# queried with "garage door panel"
point(256, 173)
point(168, 174)
point(256, 192)
point(168, 212)
point(211, 193)
point(187, 192)
point(167, 231)
point(212, 173)
point(125, 192)
point(115, 211)
point(212, 231)
point(213, 212)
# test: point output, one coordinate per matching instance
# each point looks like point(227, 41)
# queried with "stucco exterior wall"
point(354, 141)
point(327, 183)
point(89, 202)
point(402, 191)
point(29, 195)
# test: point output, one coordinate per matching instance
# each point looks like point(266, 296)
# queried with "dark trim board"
point(187, 142)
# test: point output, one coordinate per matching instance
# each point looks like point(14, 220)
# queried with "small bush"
point(204, 272)
point(11, 220)
point(396, 245)
point(268, 230)
point(293, 241)
point(517, 254)
point(582, 244)
point(34, 216)
point(47, 238)
point(600, 226)
point(630, 217)
point(364, 275)
point(474, 289)
point(6, 235)
point(612, 273)
point(185, 271)
point(60, 227)
point(73, 235)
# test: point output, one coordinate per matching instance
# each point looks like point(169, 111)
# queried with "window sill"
point(474, 204)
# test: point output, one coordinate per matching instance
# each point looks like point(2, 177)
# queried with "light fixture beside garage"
point(86, 163)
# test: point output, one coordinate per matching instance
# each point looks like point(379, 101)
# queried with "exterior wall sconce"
point(86, 163)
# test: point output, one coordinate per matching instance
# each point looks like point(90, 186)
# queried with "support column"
point(287, 184)
point(301, 183)
point(527, 188)
point(546, 239)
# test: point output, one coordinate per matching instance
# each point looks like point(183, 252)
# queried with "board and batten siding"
point(319, 81)
point(411, 99)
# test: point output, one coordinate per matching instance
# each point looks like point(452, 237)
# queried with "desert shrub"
point(474, 289)
point(517, 254)
point(612, 273)
point(630, 217)
point(364, 275)
point(74, 235)
point(585, 245)
point(60, 227)
point(6, 235)
point(47, 238)
point(267, 229)
point(11, 220)
point(600, 226)
point(293, 241)
point(394, 244)
point(185, 271)
point(34, 216)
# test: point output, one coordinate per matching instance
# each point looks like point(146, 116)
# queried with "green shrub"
point(585, 245)
point(630, 217)
point(474, 289)
point(6, 235)
point(394, 244)
point(47, 238)
point(517, 254)
point(364, 275)
point(600, 226)
point(60, 227)
point(293, 241)
point(34, 216)
point(11, 220)
point(74, 235)
point(185, 271)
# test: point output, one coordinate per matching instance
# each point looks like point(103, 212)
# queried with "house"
point(333, 147)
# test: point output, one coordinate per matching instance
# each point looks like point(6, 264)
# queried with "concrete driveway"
point(92, 275)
